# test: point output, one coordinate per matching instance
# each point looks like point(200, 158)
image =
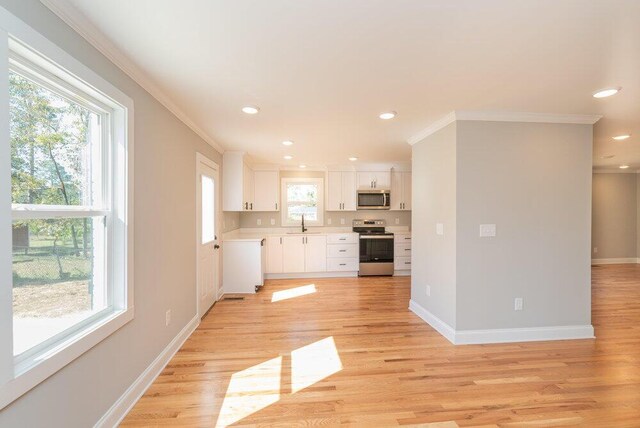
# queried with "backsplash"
point(230, 221)
point(331, 218)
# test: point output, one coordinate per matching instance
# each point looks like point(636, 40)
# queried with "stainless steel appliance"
point(376, 247)
point(373, 199)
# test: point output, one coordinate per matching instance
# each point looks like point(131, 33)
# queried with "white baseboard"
point(125, 403)
point(441, 327)
point(501, 335)
point(629, 260)
point(305, 275)
point(402, 273)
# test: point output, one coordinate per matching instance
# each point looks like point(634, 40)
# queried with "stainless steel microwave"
point(374, 199)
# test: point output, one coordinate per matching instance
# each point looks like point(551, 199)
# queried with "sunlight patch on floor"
point(251, 390)
point(293, 292)
point(314, 362)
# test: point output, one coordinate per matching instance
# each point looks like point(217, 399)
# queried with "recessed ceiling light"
point(607, 156)
point(287, 143)
point(250, 109)
point(387, 115)
point(621, 137)
point(624, 166)
point(607, 92)
point(352, 159)
point(303, 166)
point(288, 157)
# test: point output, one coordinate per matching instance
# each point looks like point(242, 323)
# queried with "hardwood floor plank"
point(361, 358)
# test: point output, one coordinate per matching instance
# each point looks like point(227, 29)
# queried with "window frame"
point(67, 75)
point(285, 206)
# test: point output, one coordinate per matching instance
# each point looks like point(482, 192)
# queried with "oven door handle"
point(376, 236)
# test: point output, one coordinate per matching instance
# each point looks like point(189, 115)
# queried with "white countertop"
point(258, 234)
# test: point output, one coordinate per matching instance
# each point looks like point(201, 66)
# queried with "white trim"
point(433, 128)
point(284, 206)
point(501, 335)
point(78, 22)
point(614, 261)
point(533, 334)
point(503, 116)
point(440, 326)
point(402, 273)
point(304, 275)
point(125, 403)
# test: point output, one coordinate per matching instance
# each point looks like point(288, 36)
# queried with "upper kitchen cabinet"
point(341, 191)
point(400, 191)
point(266, 192)
point(245, 189)
point(374, 180)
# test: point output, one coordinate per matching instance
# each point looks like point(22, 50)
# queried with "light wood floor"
point(352, 354)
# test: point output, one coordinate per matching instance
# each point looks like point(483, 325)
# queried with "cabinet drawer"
point(402, 263)
point(349, 264)
point(402, 238)
point(342, 250)
point(342, 238)
point(402, 250)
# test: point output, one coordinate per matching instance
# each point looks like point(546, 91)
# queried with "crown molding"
point(503, 116)
point(79, 23)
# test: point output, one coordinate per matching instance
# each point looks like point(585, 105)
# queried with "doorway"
point(207, 233)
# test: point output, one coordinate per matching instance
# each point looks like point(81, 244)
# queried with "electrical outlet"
point(397, 220)
point(167, 317)
point(259, 222)
point(518, 304)
point(428, 290)
point(341, 221)
point(273, 222)
point(595, 250)
point(440, 229)
point(487, 230)
point(329, 221)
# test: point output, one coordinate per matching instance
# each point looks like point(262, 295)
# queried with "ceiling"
point(322, 71)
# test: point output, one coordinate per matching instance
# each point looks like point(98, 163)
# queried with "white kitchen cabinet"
point(293, 254)
point(374, 180)
point(401, 191)
point(266, 188)
point(247, 189)
point(274, 255)
point(243, 265)
point(402, 253)
point(237, 182)
point(315, 253)
point(341, 191)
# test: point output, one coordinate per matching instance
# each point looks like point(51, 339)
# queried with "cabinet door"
point(334, 191)
point(381, 179)
point(315, 253)
point(247, 188)
point(265, 185)
point(365, 180)
point(274, 254)
point(349, 191)
point(406, 190)
point(397, 184)
point(293, 254)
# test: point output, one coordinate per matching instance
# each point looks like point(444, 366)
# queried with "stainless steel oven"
point(374, 199)
point(376, 247)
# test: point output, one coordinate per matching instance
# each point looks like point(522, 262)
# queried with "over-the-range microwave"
point(374, 199)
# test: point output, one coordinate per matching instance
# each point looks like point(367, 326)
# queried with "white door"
point(266, 186)
point(293, 253)
point(397, 184)
point(349, 191)
point(274, 254)
point(315, 253)
point(334, 191)
point(208, 254)
point(406, 191)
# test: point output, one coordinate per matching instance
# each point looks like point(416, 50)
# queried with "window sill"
point(33, 371)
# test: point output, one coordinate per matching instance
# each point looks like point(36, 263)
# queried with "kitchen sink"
point(302, 233)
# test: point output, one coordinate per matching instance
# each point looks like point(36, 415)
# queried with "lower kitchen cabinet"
point(315, 253)
point(274, 255)
point(293, 254)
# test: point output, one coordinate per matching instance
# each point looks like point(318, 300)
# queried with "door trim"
point(202, 159)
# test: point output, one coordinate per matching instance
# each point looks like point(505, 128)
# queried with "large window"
point(302, 197)
point(66, 170)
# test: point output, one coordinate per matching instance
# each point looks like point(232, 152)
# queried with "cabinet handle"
point(246, 206)
point(251, 204)
point(407, 263)
point(343, 264)
point(343, 251)
point(281, 240)
point(407, 249)
point(342, 239)
point(276, 206)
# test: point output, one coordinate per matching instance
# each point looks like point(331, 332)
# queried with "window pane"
point(302, 198)
point(53, 160)
point(56, 276)
point(208, 209)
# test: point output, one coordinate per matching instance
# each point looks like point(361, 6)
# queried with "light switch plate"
point(341, 221)
point(487, 230)
point(259, 221)
point(440, 229)
point(273, 222)
point(518, 304)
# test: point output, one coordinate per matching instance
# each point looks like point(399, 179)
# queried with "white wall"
point(165, 150)
point(434, 201)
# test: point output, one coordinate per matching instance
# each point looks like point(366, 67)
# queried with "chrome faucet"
point(304, 229)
